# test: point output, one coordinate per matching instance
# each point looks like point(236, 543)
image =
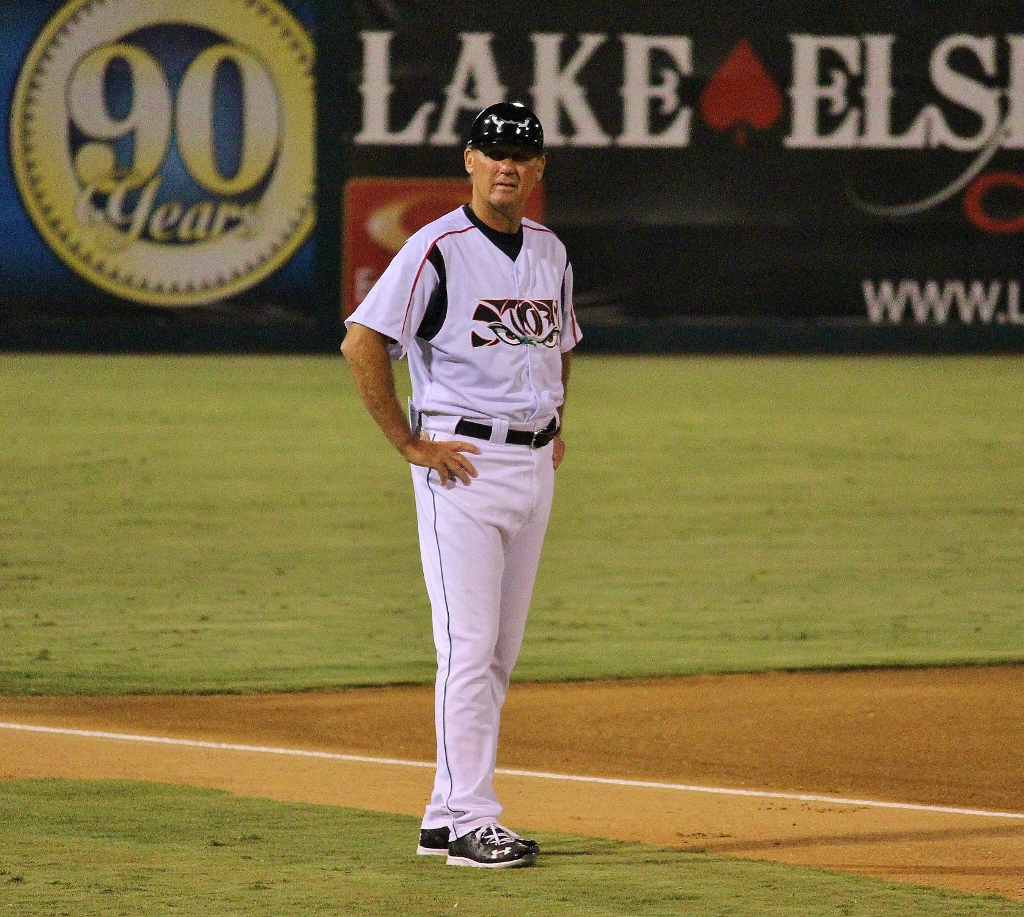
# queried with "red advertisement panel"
point(381, 213)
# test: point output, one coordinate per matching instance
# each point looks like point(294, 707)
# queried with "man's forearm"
point(366, 352)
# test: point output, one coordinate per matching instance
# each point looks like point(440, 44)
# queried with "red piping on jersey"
point(419, 270)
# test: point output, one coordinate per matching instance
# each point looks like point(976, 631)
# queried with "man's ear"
point(467, 156)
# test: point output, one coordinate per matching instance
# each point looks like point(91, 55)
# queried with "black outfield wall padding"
point(729, 176)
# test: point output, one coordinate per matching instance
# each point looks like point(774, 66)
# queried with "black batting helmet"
point(509, 123)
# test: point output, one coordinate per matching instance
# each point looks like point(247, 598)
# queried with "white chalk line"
point(511, 772)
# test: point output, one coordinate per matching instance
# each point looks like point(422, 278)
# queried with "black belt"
point(516, 437)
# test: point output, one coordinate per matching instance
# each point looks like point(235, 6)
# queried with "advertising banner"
point(222, 164)
point(161, 161)
point(859, 164)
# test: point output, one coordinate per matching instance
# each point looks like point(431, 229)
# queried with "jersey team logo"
point(531, 322)
point(169, 158)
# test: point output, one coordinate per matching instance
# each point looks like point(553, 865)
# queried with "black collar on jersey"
point(511, 243)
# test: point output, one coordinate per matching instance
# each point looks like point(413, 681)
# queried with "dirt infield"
point(947, 738)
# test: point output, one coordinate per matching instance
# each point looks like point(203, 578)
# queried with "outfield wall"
point(841, 176)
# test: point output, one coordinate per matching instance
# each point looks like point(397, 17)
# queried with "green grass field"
point(112, 849)
point(235, 524)
point(228, 523)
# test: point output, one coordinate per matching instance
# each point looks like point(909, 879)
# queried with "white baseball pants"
point(480, 546)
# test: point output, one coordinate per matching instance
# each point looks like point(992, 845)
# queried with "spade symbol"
point(741, 93)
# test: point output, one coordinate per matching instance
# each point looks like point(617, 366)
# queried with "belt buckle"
point(546, 434)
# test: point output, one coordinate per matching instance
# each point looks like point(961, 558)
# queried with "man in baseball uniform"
point(480, 301)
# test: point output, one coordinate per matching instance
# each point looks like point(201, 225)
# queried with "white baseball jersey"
point(484, 333)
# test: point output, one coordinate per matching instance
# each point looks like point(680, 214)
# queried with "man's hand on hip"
point(444, 456)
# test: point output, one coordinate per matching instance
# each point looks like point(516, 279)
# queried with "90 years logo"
point(169, 158)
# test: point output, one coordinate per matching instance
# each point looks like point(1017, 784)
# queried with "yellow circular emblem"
point(169, 158)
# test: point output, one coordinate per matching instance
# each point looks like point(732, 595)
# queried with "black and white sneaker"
point(493, 847)
point(433, 842)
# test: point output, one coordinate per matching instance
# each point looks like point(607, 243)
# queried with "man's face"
point(504, 176)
